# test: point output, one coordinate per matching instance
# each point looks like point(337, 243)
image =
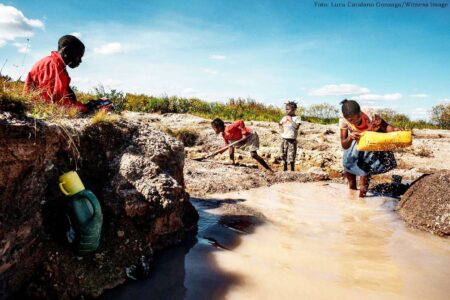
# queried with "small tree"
point(322, 111)
point(440, 115)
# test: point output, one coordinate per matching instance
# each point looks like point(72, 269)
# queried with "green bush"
point(116, 97)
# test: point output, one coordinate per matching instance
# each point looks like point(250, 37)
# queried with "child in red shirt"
point(49, 76)
point(235, 132)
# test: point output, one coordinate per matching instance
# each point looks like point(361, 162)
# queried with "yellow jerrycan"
point(380, 141)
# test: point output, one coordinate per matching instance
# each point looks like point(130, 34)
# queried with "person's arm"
point(290, 120)
point(347, 139)
point(62, 92)
point(280, 124)
point(389, 127)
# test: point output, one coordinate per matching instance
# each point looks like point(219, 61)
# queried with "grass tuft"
point(104, 117)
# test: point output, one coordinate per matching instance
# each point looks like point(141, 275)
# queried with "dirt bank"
point(135, 171)
point(426, 204)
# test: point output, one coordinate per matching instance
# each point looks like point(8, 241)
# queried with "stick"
point(221, 149)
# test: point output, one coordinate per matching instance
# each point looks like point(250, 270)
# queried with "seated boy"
point(49, 77)
point(235, 132)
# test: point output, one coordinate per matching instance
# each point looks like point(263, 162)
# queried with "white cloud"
point(189, 91)
point(111, 82)
point(22, 47)
point(77, 34)
point(81, 80)
point(394, 96)
point(110, 48)
point(217, 57)
point(338, 90)
point(210, 71)
point(13, 24)
point(419, 95)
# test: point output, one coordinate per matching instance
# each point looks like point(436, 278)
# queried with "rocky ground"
point(319, 155)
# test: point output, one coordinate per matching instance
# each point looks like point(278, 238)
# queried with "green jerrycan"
point(85, 218)
point(84, 215)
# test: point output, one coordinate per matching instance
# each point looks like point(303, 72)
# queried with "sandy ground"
point(319, 155)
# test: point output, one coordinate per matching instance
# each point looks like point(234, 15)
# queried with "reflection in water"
point(189, 270)
point(313, 241)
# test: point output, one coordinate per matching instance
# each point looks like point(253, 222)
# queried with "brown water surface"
point(317, 241)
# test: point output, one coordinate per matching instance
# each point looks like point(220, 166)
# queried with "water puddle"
point(312, 241)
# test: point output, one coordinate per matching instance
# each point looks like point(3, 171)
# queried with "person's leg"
point(259, 159)
point(293, 154)
point(284, 154)
point(351, 178)
point(231, 152)
point(363, 185)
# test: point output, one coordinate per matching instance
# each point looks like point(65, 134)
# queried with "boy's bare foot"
point(229, 163)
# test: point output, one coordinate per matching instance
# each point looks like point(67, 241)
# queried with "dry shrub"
point(423, 151)
point(187, 136)
point(32, 104)
point(104, 117)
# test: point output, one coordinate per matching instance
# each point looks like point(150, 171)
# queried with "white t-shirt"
point(289, 131)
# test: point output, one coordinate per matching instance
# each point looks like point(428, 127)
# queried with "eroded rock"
point(426, 204)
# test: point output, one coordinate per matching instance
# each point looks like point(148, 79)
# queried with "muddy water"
point(314, 241)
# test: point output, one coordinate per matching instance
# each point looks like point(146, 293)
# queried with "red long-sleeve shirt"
point(49, 76)
point(235, 131)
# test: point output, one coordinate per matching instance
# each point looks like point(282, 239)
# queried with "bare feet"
point(363, 186)
point(351, 180)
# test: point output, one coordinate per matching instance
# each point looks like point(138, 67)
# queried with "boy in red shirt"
point(49, 76)
point(235, 132)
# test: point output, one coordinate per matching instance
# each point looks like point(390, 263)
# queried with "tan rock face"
point(136, 172)
point(426, 204)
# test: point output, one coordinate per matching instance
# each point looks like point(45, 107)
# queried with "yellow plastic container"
point(379, 141)
point(70, 183)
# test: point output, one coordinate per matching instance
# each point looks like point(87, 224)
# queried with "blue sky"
point(271, 51)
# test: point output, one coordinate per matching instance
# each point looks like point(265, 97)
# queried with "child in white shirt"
point(289, 125)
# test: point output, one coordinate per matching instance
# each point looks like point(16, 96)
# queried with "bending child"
point(289, 124)
point(362, 163)
point(235, 132)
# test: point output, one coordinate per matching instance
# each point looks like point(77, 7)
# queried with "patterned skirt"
point(289, 150)
point(363, 163)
